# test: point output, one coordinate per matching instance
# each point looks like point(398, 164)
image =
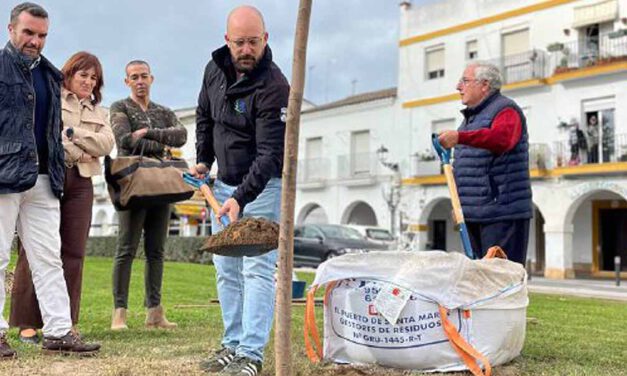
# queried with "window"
point(517, 59)
point(313, 148)
point(360, 153)
point(312, 164)
point(434, 61)
point(516, 42)
point(599, 127)
point(311, 233)
point(472, 51)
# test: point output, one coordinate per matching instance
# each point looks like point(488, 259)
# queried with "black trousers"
point(153, 222)
point(512, 236)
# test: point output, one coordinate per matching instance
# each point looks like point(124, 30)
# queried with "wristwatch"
point(69, 133)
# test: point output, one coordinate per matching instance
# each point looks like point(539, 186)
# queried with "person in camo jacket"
point(142, 126)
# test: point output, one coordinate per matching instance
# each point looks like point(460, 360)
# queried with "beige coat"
point(92, 133)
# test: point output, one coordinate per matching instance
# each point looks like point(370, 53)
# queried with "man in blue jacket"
point(31, 175)
point(492, 164)
point(241, 123)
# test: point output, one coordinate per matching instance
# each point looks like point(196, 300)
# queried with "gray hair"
point(33, 9)
point(489, 73)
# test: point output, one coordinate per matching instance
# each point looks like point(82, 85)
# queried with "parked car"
point(314, 244)
point(377, 235)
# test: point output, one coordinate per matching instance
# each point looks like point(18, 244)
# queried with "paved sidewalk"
point(586, 288)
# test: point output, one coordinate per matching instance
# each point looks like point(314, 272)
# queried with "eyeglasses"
point(465, 81)
point(241, 42)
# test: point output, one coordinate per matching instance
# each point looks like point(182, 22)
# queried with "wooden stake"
point(282, 341)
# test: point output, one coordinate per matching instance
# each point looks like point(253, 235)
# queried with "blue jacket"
point(493, 187)
point(18, 149)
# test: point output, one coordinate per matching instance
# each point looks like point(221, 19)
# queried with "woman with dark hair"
point(87, 136)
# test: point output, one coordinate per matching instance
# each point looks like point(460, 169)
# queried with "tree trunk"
point(282, 341)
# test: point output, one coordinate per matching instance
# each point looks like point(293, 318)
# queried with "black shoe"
point(242, 366)
point(29, 340)
point(6, 352)
point(69, 344)
point(218, 360)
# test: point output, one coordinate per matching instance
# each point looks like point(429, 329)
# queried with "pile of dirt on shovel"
point(246, 232)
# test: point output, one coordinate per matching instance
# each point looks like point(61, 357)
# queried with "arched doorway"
point(440, 228)
point(312, 214)
point(359, 213)
point(599, 222)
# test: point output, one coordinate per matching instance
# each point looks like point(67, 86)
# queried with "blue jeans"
point(246, 285)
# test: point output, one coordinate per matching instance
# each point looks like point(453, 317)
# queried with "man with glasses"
point(241, 123)
point(492, 164)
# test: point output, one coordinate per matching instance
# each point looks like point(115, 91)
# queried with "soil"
point(248, 235)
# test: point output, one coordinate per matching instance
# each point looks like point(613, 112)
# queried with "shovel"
point(235, 239)
point(458, 214)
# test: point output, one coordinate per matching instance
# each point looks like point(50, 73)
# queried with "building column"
point(558, 251)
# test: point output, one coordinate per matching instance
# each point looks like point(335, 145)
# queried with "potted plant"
point(425, 163)
point(563, 64)
point(555, 47)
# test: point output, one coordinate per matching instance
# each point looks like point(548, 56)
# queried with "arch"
point(359, 213)
point(312, 213)
point(425, 213)
point(593, 231)
point(576, 203)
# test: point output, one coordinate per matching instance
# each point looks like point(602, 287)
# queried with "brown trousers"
point(76, 205)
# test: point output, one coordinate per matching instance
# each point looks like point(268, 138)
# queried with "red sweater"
point(500, 138)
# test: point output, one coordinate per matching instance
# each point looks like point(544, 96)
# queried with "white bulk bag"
point(484, 302)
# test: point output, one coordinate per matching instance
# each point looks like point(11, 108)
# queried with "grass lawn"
point(565, 336)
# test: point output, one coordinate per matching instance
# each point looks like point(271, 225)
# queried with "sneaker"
point(218, 360)
point(242, 366)
point(6, 352)
point(69, 344)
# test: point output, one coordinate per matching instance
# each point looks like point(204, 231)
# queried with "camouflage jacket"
point(165, 129)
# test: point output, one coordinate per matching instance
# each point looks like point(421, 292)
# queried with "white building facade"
point(563, 61)
point(565, 64)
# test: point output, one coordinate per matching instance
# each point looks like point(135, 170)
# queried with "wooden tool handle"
point(452, 187)
point(211, 199)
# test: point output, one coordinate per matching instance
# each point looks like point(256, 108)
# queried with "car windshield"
point(340, 232)
point(379, 234)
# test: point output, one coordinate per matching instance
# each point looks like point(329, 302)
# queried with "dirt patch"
point(246, 237)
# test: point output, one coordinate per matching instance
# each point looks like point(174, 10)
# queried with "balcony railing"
point(612, 148)
point(358, 166)
point(313, 170)
point(540, 156)
point(523, 66)
point(587, 52)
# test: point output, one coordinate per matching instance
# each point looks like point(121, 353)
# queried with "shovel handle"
point(444, 154)
point(213, 202)
point(458, 214)
point(206, 191)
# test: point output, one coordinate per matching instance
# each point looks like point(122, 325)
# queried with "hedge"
point(177, 248)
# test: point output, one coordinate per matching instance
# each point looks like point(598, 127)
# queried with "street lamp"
point(393, 196)
point(382, 155)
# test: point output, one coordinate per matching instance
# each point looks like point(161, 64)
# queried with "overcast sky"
point(353, 44)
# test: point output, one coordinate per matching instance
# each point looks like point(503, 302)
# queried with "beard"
point(245, 63)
